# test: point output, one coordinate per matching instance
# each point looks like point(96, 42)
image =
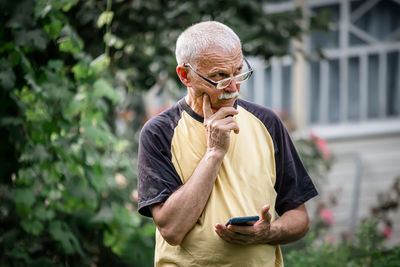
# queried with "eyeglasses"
point(222, 84)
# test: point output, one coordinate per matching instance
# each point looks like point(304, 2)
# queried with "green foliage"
point(61, 203)
point(367, 249)
point(144, 32)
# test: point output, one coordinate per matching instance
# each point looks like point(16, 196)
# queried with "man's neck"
point(195, 103)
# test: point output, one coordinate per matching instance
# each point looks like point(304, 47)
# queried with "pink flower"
point(330, 239)
point(327, 216)
point(322, 146)
point(387, 232)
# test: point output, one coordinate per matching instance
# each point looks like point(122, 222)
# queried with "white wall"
point(380, 165)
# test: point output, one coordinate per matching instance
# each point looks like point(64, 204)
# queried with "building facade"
point(351, 98)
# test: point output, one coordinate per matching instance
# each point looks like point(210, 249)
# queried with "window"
point(359, 78)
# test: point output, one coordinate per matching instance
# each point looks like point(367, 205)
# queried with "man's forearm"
point(179, 213)
point(291, 226)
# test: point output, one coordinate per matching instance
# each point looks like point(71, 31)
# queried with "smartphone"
point(235, 106)
point(243, 221)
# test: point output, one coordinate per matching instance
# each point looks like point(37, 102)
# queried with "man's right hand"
point(218, 126)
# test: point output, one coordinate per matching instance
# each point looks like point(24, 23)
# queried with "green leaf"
point(41, 153)
point(100, 63)
point(149, 229)
point(112, 40)
point(121, 145)
point(54, 27)
point(81, 71)
point(11, 121)
point(10, 236)
point(115, 239)
point(33, 38)
point(54, 194)
point(125, 217)
point(70, 42)
point(110, 238)
point(68, 45)
point(34, 227)
point(68, 4)
point(42, 213)
point(102, 88)
point(21, 15)
point(42, 8)
point(25, 63)
point(61, 232)
point(77, 105)
point(7, 76)
point(24, 196)
point(97, 135)
point(14, 58)
point(19, 253)
point(97, 180)
point(5, 47)
point(105, 215)
point(105, 18)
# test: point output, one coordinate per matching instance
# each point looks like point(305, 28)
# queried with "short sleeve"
point(157, 177)
point(293, 184)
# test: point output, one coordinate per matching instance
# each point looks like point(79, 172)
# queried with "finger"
point(225, 125)
point(225, 112)
point(216, 122)
point(219, 229)
point(232, 126)
point(207, 111)
point(239, 239)
point(230, 236)
point(228, 121)
point(244, 230)
point(265, 215)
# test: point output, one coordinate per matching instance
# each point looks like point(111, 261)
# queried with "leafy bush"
point(66, 200)
point(367, 249)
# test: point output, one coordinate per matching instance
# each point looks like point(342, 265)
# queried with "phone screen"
point(243, 221)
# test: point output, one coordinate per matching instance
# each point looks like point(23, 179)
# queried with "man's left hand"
point(259, 233)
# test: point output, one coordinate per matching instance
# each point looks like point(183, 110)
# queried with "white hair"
point(203, 35)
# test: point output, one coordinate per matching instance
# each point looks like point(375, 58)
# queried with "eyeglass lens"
point(238, 79)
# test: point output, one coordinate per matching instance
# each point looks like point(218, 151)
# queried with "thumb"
point(265, 215)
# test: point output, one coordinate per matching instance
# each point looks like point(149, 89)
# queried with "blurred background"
point(80, 78)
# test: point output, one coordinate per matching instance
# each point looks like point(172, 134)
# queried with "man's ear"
point(183, 75)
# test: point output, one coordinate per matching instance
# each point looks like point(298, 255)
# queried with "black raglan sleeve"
point(157, 177)
point(293, 184)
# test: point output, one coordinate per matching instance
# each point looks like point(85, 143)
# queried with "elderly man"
point(213, 156)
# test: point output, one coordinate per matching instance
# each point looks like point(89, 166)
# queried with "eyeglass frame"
point(230, 78)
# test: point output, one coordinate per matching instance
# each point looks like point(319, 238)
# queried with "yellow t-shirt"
point(261, 167)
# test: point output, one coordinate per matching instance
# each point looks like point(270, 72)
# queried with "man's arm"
point(179, 213)
point(291, 226)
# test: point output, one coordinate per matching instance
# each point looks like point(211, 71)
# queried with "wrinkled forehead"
point(216, 56)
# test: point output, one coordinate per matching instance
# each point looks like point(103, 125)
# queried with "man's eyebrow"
point(217, 70)
point(223, 70)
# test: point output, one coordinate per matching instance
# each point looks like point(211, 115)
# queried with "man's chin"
point(224, 103)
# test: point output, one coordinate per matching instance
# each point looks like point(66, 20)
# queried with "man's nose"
point(232, 87)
